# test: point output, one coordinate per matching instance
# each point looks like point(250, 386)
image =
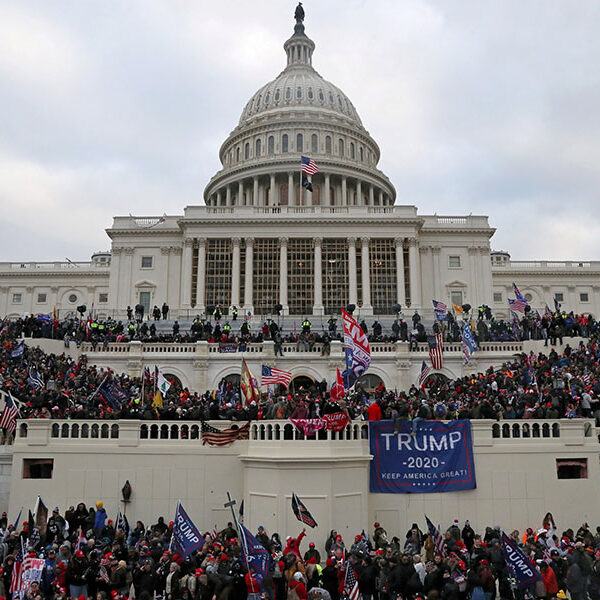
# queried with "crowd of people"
point(538, 386)
point(87, 555)
point(551, 327)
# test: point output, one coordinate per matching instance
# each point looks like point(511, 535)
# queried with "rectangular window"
point(38, 468)
point(41, 298)
point(17, 298)
point(334, 274)
point(265, 280)
point(456, 298)
point(571, 468)
point(301, 276)
point(454, 262)
point(218, 273)
point(559, 296)
point(584, 297)
point(497, 296)
point(382, 258)
point(103, 297)
point(147, 262)
point(406, 262)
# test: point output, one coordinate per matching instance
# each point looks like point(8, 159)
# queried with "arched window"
point(237, 154)
point(328, 145)
point(299, 143)
point(310, 94)
point(247, 151)
point(352, 150)
point(314, 143)
point(277, 96)
point(258, 148)
point(271, 145)
point(299, 93)
point(284, 143)
point(361, 153)
point(288, 93)
point(341, 146)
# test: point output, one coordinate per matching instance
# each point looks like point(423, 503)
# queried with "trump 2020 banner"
point(437, 458)
point(186, 536)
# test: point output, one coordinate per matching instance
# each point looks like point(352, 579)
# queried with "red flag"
point(337, 390)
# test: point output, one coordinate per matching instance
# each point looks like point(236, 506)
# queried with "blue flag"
point(468, 339)
point(113, 394)
point(186, 536)
point(34, 379)
point(18, 350)
point(520, 565)
point(254, 554)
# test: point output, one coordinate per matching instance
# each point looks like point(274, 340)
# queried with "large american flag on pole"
point(309, 166)
point(425, 370)
point(436, 350)
point(436, 536)
point(8, 420)
point(271, 375)
point(517, 305)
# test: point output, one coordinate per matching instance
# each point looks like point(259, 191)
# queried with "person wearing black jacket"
point(367, 578)
point(400, 576)
point(144, 580)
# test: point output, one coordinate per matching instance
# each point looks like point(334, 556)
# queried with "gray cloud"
point(117, 107)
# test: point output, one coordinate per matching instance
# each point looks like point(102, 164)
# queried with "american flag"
point(16, 582)
point(586, 377)
point(517, 305)
point(436, 536)
point(103, 571)
point(309, 166)
point(440, 310)
point(547, 312)
point(270, 376)
point(518, 294)
point(425, 370)
point(436, 350)
point(351, 583)
point(223, 437)
point(8, 420)
point(214, 532)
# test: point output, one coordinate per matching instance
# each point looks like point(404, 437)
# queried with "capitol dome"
point(299, 113)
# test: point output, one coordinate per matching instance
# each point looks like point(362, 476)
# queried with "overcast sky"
point(115, 107)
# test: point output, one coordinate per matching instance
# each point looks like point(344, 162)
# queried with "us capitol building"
point(262, 240)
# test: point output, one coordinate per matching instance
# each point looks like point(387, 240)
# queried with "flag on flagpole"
point(162, 384)
point(301, 512)
point(18, 350)
point(41, 516)
point(356, 348)
point(308, 165)
point(34, 379)
point(469, 345)
point(158, 400)
point(436, 350)
point(440, 310)
point(425, 370)
point(436, 536)
point(337, 389)
point(517, 305)
point(351, 590)
point(518, 294)
point(186, 536)
point(248, 384)
point(254, 555)
point(8, 420)
point(457, 309)
point(271, 376)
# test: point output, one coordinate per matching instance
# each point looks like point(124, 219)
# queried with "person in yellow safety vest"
point(234, 313)
point(306, 325)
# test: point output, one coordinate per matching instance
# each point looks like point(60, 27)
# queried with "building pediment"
point(145, 284)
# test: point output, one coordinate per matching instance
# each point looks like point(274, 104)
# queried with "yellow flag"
point(158, 401)
point(457, 309)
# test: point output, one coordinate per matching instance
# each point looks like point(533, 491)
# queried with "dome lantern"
point(299, 47)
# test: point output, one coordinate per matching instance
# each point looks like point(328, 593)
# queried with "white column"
point(352, 285)
point(326, 201)
point(359, 201)
point(344, 192)
point(400, 291)
point(318, 292)
point(371, 196)
point(248, 303)
point(283, 275)
point(186, 275)
point(414, 260)
point(240, 193)
point(366, 277)
point(290, 189)
point(473, 291)
point(380, 197)
point(272, 199)
point(219, 198)
point(255, 192)
point(228, 196)
point(437, 275)
point(235, 272)
point(487, 294)
point(201, 280)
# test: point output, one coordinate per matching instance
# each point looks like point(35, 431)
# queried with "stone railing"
point(486, 432)
point(548, 264)
point(267, 348)
point(52, 266)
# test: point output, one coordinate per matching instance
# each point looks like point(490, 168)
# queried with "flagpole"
point(97, 389)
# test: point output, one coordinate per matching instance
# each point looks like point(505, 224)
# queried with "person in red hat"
point(77, 575)
point(312, 552)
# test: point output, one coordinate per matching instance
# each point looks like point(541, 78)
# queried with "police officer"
point(245, 328)
point(217, 313)
point(306, 325)
point(234, 313)
point(165, 311)
point(227, 328)
point(131, 330)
